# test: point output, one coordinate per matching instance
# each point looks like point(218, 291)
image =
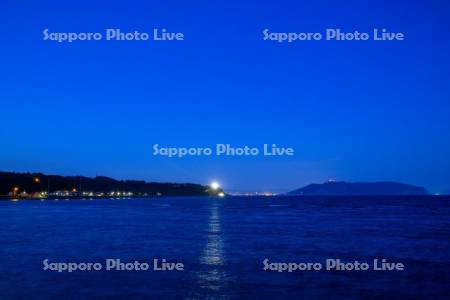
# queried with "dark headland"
point(38, 185)
point(343, 188)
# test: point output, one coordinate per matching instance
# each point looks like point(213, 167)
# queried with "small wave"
point(160, 205)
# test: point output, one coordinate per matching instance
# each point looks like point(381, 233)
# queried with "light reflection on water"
point(213, 253)
point(213, 277)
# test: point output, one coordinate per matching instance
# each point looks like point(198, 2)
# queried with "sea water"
point(226, 248)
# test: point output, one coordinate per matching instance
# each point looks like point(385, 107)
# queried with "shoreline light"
point(215, 185)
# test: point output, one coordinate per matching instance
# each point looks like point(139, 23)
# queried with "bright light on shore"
point(215, 185)
point(221, 194)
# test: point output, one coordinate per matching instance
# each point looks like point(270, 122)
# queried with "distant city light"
point(37, 180)
point(221, 194)
point(215, 185)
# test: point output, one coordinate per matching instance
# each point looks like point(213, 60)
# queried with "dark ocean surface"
point(222, 243)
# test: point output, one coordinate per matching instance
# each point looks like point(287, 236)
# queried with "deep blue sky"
point(352, 110)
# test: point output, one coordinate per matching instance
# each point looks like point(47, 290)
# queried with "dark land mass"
point(30, 183)
point(360, 189)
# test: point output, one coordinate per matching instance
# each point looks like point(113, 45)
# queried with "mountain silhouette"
point(359, 188)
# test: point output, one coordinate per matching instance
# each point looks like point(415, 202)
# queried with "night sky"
point(356, 111)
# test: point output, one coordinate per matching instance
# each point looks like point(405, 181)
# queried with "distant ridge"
point(359, 188)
